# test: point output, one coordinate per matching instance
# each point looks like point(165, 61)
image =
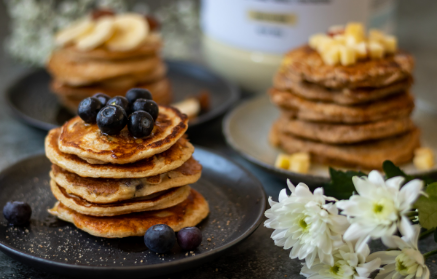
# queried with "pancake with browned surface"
point(155, 201)
point(106, 190)
point(308, 64)
point(92, 71)
point(189, 213)
point(366, 155)
point(166, 161)
point(395, 106)
point(342, 96)
point(90, 144)
point(70, 97)
point(341, 133)
point(151, 46)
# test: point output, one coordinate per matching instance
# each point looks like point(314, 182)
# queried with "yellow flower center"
point(303, 225)
point(405, 265)
point(383, 208)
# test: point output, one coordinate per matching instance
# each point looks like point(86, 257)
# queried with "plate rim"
point(204, 257)
point(232, 88)
point(227, 122)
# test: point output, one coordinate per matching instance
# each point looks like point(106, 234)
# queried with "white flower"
point(380, 207)
point(407, 263)
point(348, 264)
point(306, 223)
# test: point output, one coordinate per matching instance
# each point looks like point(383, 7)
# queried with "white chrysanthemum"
point(380, 207)
point(407, 263)
point(306, 223)
point(348, 264)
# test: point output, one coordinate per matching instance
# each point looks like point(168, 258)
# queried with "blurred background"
point(213, 33)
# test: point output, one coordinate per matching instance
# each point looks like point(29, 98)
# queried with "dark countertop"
point(257, 256)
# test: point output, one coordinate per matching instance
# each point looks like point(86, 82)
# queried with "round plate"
point(237, 204)
point(31, 100)
point(247, 127)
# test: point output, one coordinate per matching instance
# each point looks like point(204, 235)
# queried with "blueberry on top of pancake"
point(90, 144)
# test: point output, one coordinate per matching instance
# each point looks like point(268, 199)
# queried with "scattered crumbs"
point(209, 239)
point(7, 237)
point(223, 240)
point(219, 227)
point(186, 254)
point(227, 223)
point(216, 269)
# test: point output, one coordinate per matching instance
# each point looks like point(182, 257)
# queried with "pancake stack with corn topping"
point(108, 53)
point(345, 99)
point(118, 185)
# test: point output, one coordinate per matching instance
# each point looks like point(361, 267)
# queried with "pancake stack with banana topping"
point(108, 53)
point(116, 175)
point(345, 100)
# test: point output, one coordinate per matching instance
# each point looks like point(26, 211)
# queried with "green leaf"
point(427, 207)
point(341, 185)
point(391, 170)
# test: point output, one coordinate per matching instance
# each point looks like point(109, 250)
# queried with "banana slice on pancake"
point(75, 30)
point(130, 31)
point(102, 31)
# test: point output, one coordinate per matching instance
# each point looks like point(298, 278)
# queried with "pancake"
point(90, 144)
point(70, 97)
point(155, 201)
point(307, 63)
point(395, 106)
point(106, 190)
point(340, 133)
point(88, 72)
point(343, 96)
point(366, 155)
point(151, 46)
point(166, 161)
point(189, 213)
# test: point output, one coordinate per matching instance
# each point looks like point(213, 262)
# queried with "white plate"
point(247, 127)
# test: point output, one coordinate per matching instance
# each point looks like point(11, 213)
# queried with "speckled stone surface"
point(257, 257)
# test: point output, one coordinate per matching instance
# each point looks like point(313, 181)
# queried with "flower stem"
point(426, 233)
point(427, 255)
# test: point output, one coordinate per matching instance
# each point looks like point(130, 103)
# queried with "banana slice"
point(130, 31)
point(73, 31)
point(102, 31)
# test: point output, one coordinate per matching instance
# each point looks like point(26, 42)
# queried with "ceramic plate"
point(31, 100)
point(247, 127)
point(236, 199)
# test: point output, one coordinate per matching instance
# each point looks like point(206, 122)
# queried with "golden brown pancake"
point(344, 133)
point(308, 65)
point(189, 213)
point(106, 190)
point(70, 97)
point(90, 144)
point(343, 96)
point(92, 71)
point(366, 155)
point(394, 106)
point(166, 161)
point(151, 46)
point(155, 201)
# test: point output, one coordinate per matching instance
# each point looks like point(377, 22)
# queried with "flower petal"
point(387, 257)
point(376, 177)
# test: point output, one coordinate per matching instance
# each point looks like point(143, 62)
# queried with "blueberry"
point(88, 109)
point(111, 119)
point(140, 124)
point(160, 238)
point(119, 101)
point(189, 238)
point(138, 93)
point(148, 106)
point(17, 213)
point(103, 98)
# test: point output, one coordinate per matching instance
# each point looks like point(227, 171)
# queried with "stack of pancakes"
point(354, 116)
point(78, 74)
point(119, 186)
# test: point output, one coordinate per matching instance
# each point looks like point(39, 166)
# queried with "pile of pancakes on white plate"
point(108, 53)
point(119, 186)
point(351, 111)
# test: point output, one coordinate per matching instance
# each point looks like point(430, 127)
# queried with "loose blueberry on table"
point(189, 238)
point(17, 213)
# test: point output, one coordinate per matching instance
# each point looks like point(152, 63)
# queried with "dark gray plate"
point(30, 99)
point(236, 199)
